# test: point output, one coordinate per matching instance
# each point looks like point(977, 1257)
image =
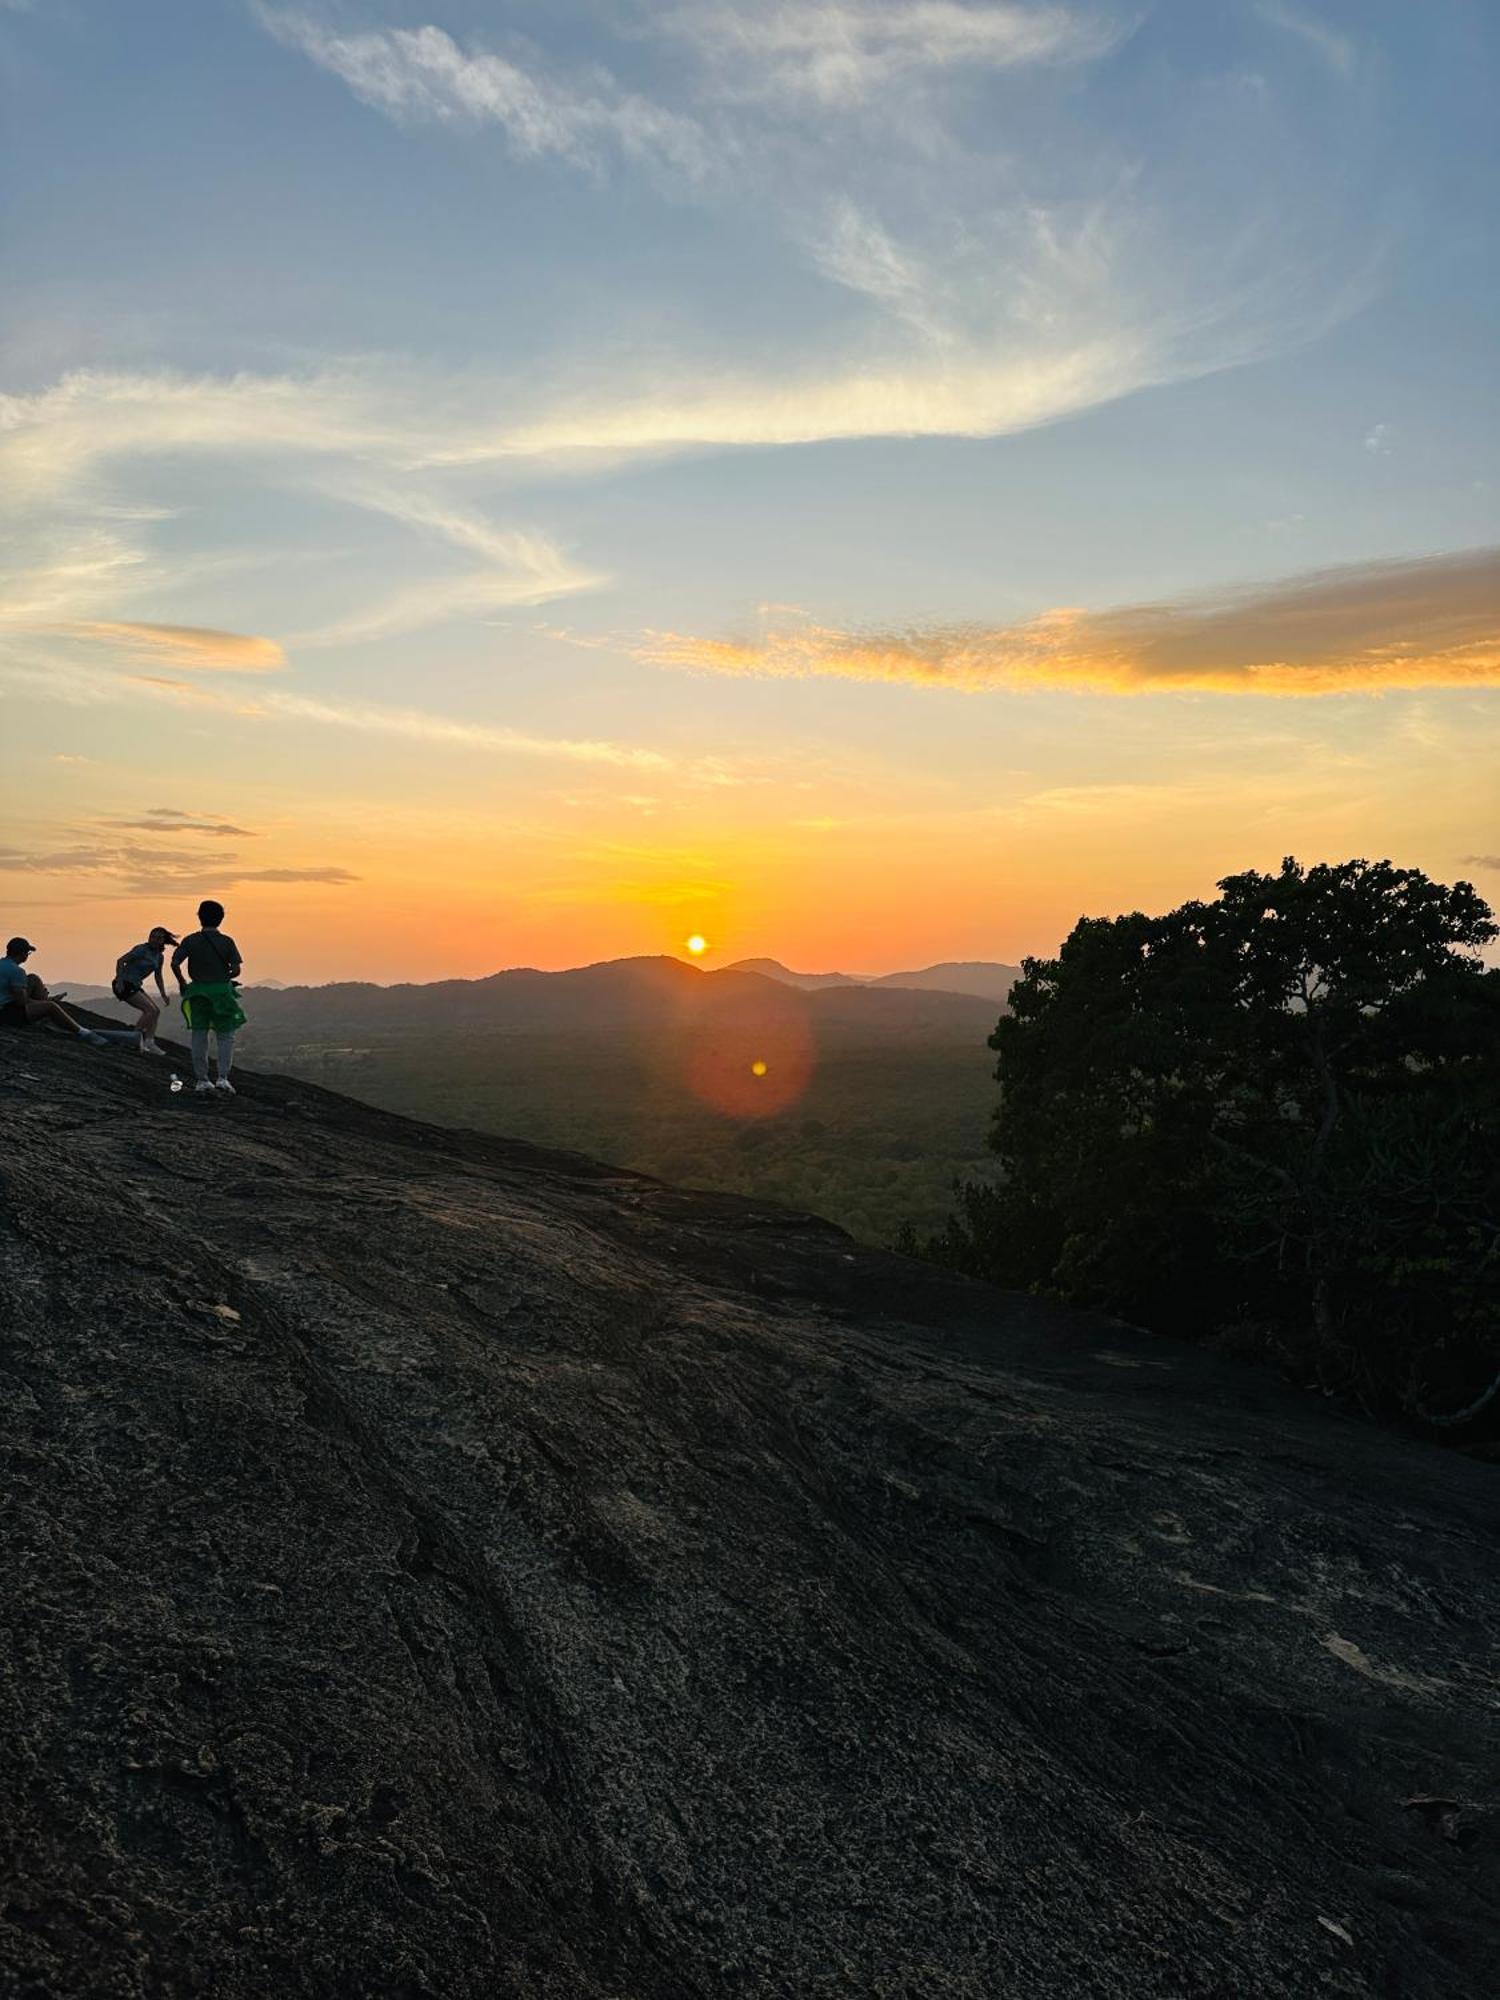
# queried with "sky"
point(521, 482)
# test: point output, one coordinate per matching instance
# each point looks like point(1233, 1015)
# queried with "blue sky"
point(839, 475)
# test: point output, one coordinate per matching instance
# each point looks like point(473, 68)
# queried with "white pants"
point(200, 1052)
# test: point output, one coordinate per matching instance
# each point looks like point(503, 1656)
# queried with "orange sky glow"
point(864, 506)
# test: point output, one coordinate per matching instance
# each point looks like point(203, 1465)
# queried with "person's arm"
point(161, 984)
point(232, 958)
point(177, 957)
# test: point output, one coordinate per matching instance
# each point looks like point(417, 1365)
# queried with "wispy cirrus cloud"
point(423, 74)
point(831, 53)
point(57, 443)
point(53, 570)
point(167, 819)
point(43, 677)
point(1000, 297)
point(857, 251)
point(57, 861)
point(1428, 622)
point(1338, 51)
point(54, 441)
point(512, 568)
point(840, 54)
point(333, 877)
point(1079, 325)
point(1006, 294)
point(187, 646)
point(967, 395)
point(126, 869)
point(352, 434)
point(417, 726)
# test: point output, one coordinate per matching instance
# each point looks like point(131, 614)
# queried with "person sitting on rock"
point(210, 999)
point(24, 999)
point(132, 969)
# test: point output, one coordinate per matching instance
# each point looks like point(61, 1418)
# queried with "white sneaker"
point(150, 1046)
point(204, 1089)
point(225, 1085)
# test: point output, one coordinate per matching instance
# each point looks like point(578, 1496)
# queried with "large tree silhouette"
point(1274, 1115)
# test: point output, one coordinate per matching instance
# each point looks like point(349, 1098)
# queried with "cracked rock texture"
point(433, 1567)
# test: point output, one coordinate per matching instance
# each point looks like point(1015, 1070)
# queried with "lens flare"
point(749, 1054)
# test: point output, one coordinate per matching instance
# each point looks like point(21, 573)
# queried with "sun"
point(697, 945)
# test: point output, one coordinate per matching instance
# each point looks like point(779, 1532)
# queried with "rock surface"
point(437, 1568)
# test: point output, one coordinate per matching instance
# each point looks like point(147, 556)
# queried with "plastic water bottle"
point(175, 1084)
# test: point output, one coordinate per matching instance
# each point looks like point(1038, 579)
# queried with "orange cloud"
point(188, 646)
point(1429, 622)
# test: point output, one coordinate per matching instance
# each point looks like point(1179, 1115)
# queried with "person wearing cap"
point(132, 970)
point(23, 999)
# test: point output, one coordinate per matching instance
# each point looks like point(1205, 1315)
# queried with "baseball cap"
point(14, 945)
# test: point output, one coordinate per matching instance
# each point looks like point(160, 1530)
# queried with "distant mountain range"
point(809, 982)
point(977, 976)
point(656, 994)
point(644, 993)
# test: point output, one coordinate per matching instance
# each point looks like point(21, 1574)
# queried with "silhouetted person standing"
point(210, 1000)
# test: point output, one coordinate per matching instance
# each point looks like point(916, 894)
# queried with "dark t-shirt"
point(140, 963)
point(211, 957)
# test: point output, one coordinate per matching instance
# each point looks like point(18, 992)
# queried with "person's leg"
point(146, 1010)
point(225, 1044)
point(200, 1055)
point(49, 1010)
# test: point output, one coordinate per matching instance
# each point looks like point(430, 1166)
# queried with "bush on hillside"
point(1271, 1119)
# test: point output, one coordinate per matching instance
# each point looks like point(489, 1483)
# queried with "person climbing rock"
point(132, 970)
point(210, 999)
point(23, 999)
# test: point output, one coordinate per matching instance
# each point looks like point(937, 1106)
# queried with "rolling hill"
point(978, 977)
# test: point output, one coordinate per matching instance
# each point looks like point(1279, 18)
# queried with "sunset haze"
point(862, 482)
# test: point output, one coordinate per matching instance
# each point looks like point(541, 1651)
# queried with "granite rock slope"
point(433, 1567)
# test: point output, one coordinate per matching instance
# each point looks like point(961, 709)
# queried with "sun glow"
point(697, 945)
